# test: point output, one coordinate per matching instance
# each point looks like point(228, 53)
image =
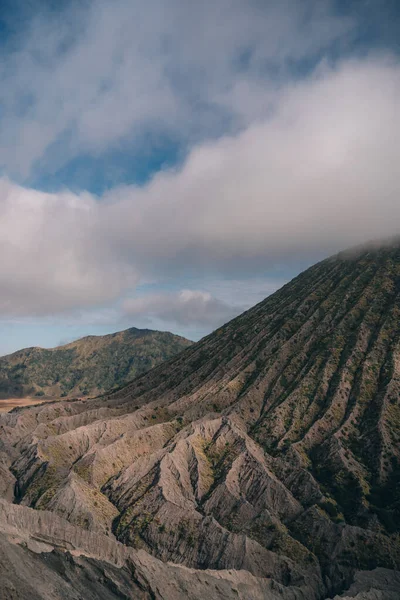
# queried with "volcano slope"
point(268, 451)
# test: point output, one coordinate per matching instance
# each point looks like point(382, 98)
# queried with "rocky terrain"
point(87, 367)
point(262, 462)
point(43, 557)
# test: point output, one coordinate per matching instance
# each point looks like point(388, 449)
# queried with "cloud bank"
point(319, 173)
point(287, 150)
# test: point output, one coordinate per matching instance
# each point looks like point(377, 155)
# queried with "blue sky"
point(168, 165)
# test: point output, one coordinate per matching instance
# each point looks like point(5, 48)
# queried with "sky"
point(169, 164)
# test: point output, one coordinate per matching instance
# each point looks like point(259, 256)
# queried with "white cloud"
point(82, 79)
point(184, 308)
point(318, 174)
point(52, 258)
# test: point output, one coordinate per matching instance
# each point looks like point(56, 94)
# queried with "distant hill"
point(86, 367)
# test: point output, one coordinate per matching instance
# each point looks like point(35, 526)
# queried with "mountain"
point(267, 453)
point(87, 367)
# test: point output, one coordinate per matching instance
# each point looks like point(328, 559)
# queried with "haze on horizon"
point(168, 165)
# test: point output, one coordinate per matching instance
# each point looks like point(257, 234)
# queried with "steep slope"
point(271, 446)
point(89, 366)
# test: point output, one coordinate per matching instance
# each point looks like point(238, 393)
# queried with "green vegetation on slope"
point(88, 366)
